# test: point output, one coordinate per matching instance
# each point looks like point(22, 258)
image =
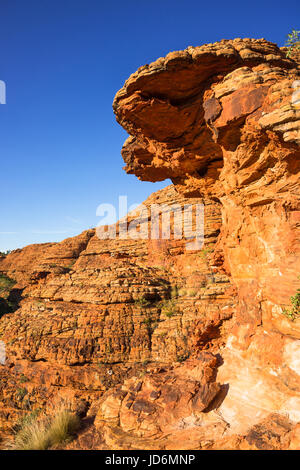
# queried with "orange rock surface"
point(160, 347)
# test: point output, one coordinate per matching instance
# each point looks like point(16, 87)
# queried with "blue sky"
point(62, 62)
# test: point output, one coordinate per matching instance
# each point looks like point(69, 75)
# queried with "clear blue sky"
point(63, 61)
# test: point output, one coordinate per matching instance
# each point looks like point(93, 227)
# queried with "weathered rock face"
point(159, 409)
point(164, 347)
point(219, 120)
point(95, 312)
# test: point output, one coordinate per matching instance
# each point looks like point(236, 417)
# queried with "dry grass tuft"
point(63, 427)
point(41, 432)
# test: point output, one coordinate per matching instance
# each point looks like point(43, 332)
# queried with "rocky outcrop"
point(158, 346)
point(95, 312)
point(220, 121)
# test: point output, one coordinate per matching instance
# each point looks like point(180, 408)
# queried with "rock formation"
point(160, 347)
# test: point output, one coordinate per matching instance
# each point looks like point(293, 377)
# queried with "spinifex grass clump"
point(63, 427)
point(40, 432)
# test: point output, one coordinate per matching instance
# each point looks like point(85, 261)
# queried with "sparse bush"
point(9, 297)
point(182, 357)
point(142, 302)
point(23, 378)
point(294, 311)
point(150, 323)
point(174, 292)
point(189, 292)
point(6, 306)
point(4, 253)
point(169, 308)
point(182, 292)
point(6, 283)
point(71, 264)
point(163, 334)
point(205, 252)
point(21, 393)
point(192, 292)
point(293, 43)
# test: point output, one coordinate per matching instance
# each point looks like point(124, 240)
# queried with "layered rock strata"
point(93, 312)
point(222, 121)
point(161, 347)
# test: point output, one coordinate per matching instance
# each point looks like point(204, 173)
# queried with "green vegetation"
point(41, 432)
point(205, 252)
point(142, 302)
point(293, 42)
point(21, 393)
point(182, 357)
point(71, 264)
point(294, 312)
point(23, 379)
point(6, 284)
point(150, 323)
point(192, 292)
point(6, 307)
point(174, 292)
point(188, 292)
point(5, 253)
point(169, 308)
point(7, 303)
point(163, 334)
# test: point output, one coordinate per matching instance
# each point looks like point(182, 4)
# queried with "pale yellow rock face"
point(162, 347)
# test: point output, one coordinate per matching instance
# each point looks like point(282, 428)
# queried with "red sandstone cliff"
point(215, 364)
